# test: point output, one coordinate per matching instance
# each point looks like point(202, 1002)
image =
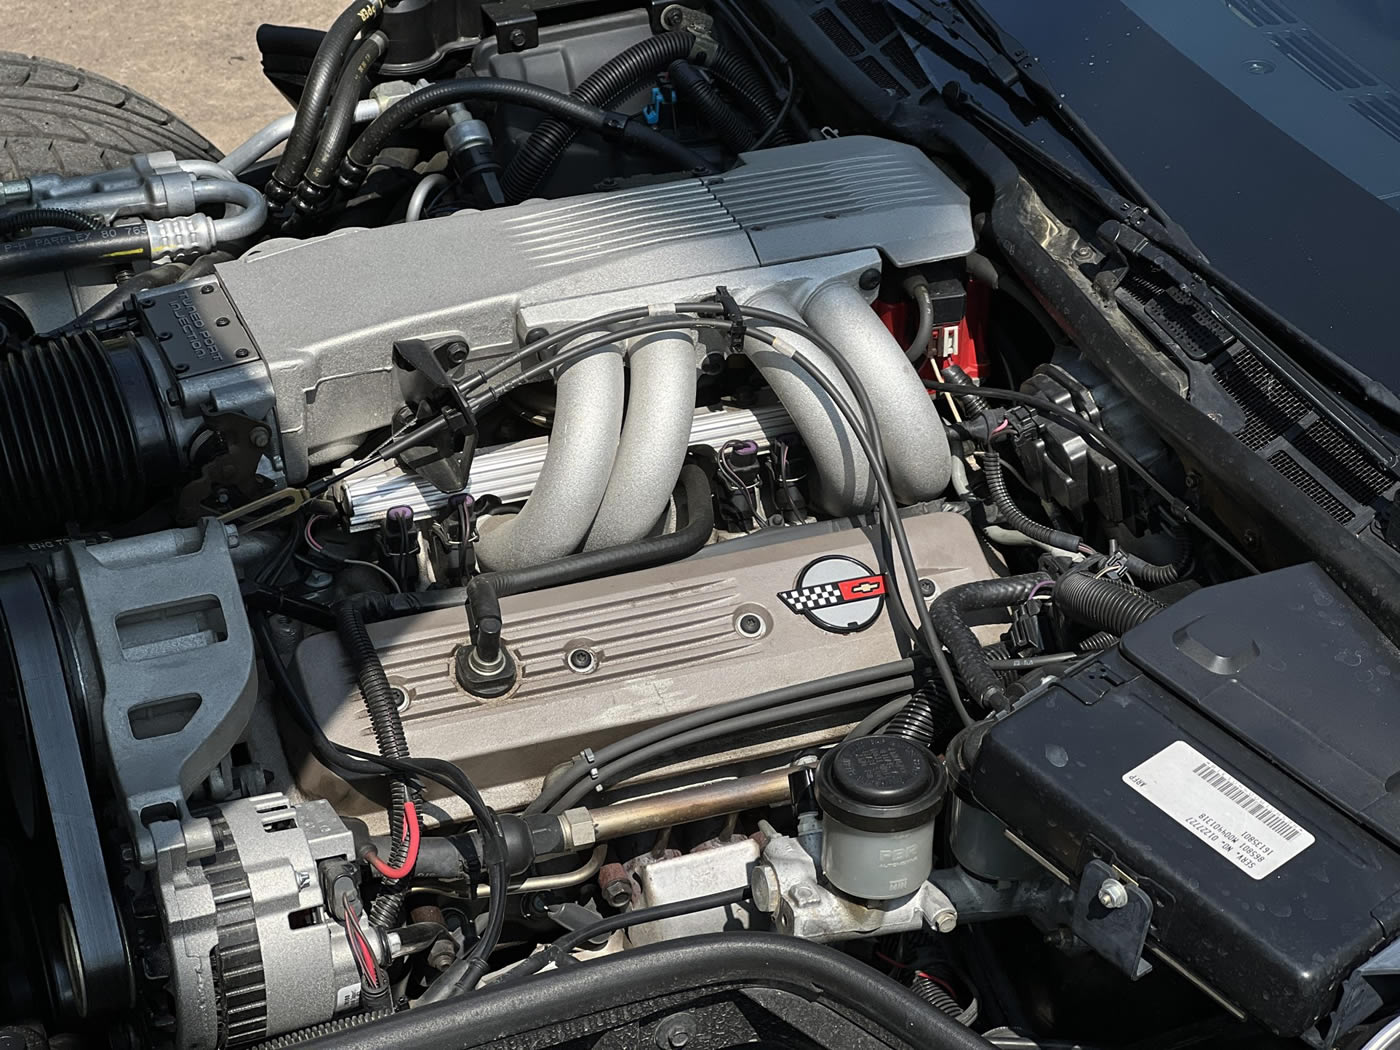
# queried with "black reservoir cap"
point(881, 783)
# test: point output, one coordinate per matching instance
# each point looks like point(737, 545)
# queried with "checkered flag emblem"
point(825, 595)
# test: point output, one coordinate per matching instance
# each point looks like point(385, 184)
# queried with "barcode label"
point(1219, 809)
point(1240, 796)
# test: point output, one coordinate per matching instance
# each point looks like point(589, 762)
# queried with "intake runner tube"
point(844, 484)
point(655, 435)
point(916, 446)
point(582, 448)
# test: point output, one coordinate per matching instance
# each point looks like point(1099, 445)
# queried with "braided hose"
point(948, 609)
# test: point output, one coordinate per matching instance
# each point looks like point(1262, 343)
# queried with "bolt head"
point(766, 891)
point(928, 588)
point(618, 892)
point(259, 438)
point(517, 37)
point(945, 921)
point(1112, 894)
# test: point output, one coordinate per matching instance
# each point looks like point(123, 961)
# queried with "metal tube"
point(688, 804)
point(235, 227)
point(843, 480)
point(269, 138)
point(655, 434)
point(537, 883)
point(916, 446)
point(582, 447)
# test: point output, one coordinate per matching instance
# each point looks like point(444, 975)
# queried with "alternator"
point(253, 949)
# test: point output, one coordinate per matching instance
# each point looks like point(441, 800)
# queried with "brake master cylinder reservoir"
point(879, 796)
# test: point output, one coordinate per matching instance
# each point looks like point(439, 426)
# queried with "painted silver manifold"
point(792, 229)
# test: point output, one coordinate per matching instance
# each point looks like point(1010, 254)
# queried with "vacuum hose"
point(615, 126)
point(316, 95)
point(627, 557)
point(612, 82)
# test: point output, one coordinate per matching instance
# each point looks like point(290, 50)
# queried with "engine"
point(518, 538)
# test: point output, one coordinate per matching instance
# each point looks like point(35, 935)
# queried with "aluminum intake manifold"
point(799, 230)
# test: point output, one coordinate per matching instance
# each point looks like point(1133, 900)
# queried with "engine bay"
point(587, 527)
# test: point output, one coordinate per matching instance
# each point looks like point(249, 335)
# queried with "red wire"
point(893, 962)
point(410, 834)
point(360, 947)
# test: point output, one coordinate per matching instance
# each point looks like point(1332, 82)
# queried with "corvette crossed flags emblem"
point(837, 594)
point(824, 595)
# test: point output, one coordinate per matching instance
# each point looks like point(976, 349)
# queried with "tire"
point(59, 118)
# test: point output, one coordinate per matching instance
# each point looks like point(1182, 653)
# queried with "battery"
point(1234, 759)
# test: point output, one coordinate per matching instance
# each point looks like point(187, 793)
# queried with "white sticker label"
point(1243, 827)
point(347, 997)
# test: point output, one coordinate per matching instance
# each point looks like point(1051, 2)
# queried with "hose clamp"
point(614, 126)
point(181, 237)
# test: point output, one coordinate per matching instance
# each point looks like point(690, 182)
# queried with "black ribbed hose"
point(59, 218)
point(1103, 604)
point(382, 704)
point(972, 403)
point(928, 719)
point(1151, 575)
point(82, 437)
point(745, 85)
point(340, 123)
point(613, 126)
point(1016, 518)
point(608, 85)
point(949, 612)
point(1096, 642)
point(316, 95)
point(716, 114)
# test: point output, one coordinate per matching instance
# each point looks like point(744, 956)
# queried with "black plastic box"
point(1289, 700)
